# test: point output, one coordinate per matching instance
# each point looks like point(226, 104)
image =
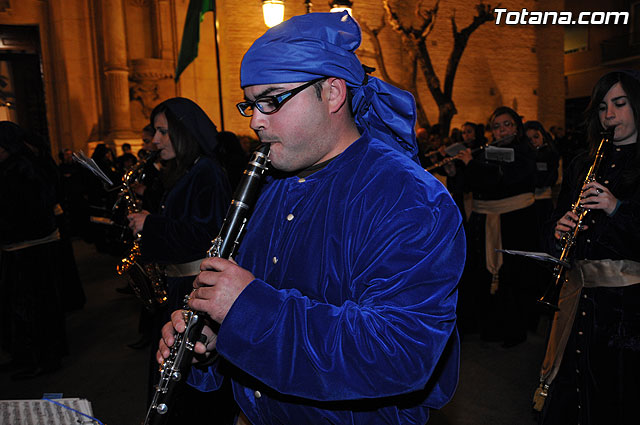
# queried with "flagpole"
point(215, 36)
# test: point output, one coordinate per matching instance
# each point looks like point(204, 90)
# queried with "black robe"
point(189, 218)
point(503, 316)
point(599, 377)
point(31, 309)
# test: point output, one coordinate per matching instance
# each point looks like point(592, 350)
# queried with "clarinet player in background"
point(193, 205)
point(341, 307)
point(592, 376)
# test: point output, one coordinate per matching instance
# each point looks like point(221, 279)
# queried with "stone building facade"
point(106, 63)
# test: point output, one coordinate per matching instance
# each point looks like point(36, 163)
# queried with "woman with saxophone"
point(195, 199)
point(592, 375)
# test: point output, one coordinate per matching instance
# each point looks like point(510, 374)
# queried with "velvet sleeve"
point(385, 341)
point(205, 380)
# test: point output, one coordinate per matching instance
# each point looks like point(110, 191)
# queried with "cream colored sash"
point(492, 230)
point(191, 268)
point(54, 236)
point(543, 192)
point(587, 274)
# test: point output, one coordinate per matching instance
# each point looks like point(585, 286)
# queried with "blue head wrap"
point(318, 45)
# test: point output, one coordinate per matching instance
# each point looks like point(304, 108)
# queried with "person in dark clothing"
point(127, 160)
point(547, 161)
point(31, 309)
point(101, 199)
point(472, 137)
point(148, 188)
point(71, 290)
point(591, 371)
point(232, 156)
point(193, 206)
point(73, 184)
point(503, 216)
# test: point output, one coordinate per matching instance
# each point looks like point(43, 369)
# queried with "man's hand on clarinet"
point(217, 287)
point(205, 346)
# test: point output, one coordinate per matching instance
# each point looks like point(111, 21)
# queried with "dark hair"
point(537, 125)
point(478, 131)
point(13, 138)
point(318, 88)
point(631, 86)
point(185, 146)
point(148, 129)
point(100, 152)
point(456, 135)
point(513, 114)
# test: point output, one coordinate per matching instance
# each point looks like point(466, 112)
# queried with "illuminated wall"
point(96, 78)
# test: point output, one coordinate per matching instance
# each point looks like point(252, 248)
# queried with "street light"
point(340, 5)
point(273, 12)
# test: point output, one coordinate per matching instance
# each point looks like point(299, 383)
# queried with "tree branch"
point(377, 50)
point(484, 13)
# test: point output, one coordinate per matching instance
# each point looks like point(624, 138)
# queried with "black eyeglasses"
point(271, 104)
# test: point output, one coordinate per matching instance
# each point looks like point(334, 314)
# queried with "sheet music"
point(45, 412)
point(91, 165)
point(454, 149)
point(493, 153)
point(542, 256)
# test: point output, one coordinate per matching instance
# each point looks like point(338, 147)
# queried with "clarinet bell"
point(552, 296)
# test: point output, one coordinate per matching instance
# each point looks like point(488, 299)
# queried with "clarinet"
point(552, 294)
point(225, 245)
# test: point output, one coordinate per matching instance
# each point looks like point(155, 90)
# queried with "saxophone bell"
point(146, 279)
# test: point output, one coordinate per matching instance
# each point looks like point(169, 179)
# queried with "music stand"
point(540, 256)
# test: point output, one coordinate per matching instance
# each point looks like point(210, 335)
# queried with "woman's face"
point(503, 126)
point(161, 137)
point(535, 137)
point(468, 133)
point(615, 110)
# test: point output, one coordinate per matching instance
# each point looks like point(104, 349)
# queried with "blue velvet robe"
point(351, 317)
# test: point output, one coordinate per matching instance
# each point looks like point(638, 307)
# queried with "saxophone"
point(146, 280)
point(568, 240)
point(225, 245)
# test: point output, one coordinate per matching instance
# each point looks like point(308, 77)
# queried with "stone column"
point(163, 30)
point(116, 72)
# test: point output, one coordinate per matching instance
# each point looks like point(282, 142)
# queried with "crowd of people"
point(359, 270)
point(84, 196)
point(500, 179)
point(521, 199)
